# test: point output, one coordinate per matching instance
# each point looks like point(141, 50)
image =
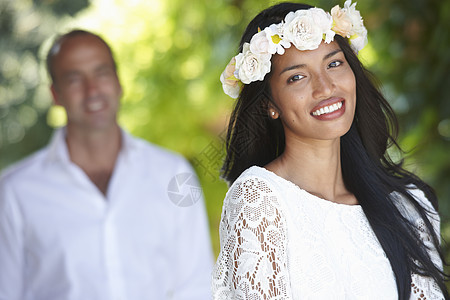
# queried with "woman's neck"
point(315, 166)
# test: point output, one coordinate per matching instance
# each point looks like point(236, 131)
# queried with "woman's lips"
point(329, 109)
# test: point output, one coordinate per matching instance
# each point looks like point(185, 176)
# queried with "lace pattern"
point(423, 287)
point(253, 237)
point(280, 242)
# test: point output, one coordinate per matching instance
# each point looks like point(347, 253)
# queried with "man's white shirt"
point(62, 239)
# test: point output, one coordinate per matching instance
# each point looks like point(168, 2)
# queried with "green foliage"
point(413, 62)
point(171, 53)
point(24, 100)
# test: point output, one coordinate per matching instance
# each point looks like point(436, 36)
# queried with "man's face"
point(86, 83)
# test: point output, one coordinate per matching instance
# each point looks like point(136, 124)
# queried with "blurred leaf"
point(170, 55)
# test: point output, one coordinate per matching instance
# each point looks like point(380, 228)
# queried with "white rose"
point(260, 44)
point(324, 21)
point(302, 31)
point(355, 17)
point(251, 66)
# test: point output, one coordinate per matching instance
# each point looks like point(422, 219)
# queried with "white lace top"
point(281, 242)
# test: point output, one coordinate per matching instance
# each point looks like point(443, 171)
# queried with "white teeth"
point(94, 106)
point(327, 109)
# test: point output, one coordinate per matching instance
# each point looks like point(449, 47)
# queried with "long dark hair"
point(253, 138)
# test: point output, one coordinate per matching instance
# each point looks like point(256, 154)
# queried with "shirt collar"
point(129, 145)
point(58, 150)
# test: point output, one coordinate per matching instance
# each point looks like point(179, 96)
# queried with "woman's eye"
point(335, 64)
point(295, 78)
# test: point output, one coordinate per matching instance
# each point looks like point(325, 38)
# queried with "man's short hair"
point(56, 46)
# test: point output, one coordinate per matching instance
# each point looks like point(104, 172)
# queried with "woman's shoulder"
point(256, 186)
point(254, 196)
point(416, 193)
point(255, 179)
point(255, 171)
point(409, 210)
point(421, 198)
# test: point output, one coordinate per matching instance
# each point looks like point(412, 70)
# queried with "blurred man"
point(89, 216)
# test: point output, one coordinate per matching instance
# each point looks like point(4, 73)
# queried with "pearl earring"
point(273, 114)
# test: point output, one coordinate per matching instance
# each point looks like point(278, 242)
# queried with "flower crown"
point(305, 29)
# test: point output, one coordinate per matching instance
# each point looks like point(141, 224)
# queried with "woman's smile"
point(329, 109)
point(309, 87)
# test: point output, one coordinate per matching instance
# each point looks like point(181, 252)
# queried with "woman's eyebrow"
point(331, 54)
point(292, 68)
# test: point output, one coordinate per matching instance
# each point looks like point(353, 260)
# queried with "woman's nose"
point(323, 86)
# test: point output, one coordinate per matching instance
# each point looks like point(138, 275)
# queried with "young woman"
point(317, 209)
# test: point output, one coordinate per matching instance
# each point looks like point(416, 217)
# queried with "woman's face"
point(315, 92)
